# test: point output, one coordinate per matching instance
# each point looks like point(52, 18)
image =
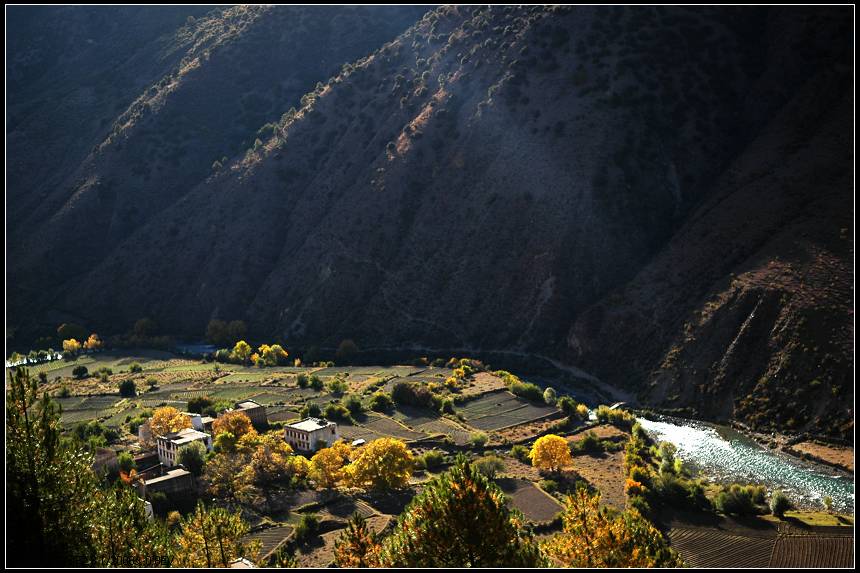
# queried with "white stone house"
point(310, 433)
point(169, 445)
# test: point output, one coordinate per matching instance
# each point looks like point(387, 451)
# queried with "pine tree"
point(460, 520)
point(358, 546)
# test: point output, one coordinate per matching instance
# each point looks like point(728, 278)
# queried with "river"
point(723, 455)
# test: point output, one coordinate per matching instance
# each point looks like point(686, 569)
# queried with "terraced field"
point(496, 410)
point(536, 505)
point(388, 427)
point(269, 538)
point(710, 547)
point(813, 551)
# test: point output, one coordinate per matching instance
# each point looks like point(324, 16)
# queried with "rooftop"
point(247, 405)
point(172, 474)
point(185, 436)
point(311, 424)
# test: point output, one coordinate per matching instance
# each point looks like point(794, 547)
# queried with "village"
point(288, 446)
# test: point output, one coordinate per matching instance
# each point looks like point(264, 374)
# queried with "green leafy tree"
point(127, 388)
point(50, 490)
point(126, 462)
point(125, 536)
point(193, 457)
point(56, 515)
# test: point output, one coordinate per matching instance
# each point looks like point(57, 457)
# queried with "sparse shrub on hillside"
point(127, 388)
point(316, 382)
point(447, 406)
point(521, 453)
point(199, 403)
point(433, 459)
point(527, 390)
point(353, 404)
point(490, 465)
point(381, 402)
point(347, 352)
point(478, 439)
point(337, 386)
point(742, 500)
point(414, 395)
point(80, 372)
point(310, 410)
point(302, 380)
point(549, 396)
point(307, 527)
point(617, 417)
point(336, 412)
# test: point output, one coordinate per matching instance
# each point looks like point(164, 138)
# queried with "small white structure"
point(310, 433)
point(169, 445)
point(148, 509)
point(199, 422)
point(358, 442)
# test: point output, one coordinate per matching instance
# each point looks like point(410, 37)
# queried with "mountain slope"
point(514, 178)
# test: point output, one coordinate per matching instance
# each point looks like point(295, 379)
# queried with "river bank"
point(724, 454)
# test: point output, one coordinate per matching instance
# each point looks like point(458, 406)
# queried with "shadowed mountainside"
point(638, 191)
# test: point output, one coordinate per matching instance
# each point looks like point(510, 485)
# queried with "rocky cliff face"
point(637, 190)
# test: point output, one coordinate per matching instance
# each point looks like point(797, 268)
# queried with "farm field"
point(164, 379)
point(768, 544)
point(500, 409)
point(536, 505)
point(813, 551)
point(270, 538)
point(604, 471)
point(709, 547)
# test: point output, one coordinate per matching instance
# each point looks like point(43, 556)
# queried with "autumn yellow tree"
point(213, 538)
point(382, 464)
point(237, 423)
point(225, 478)
point(593, 536)
point(270, 464)
point(71, 346)
point(168, 419)
point(326, 468)
point(242, 351)
point(93, 342)
point(273, 355)
point(550, 452)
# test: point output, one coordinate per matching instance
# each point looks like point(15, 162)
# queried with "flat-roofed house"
point(199, 422)
point(255, 412)
point(311, 433)
point(174, 481)
point(169, 445)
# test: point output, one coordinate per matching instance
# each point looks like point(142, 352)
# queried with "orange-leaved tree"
point(168, 419)
point(237, 423)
